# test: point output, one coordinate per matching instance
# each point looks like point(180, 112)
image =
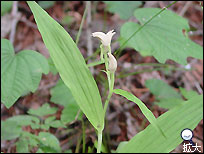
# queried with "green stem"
point(121, 75)
point(93, 55)
point(99, 141)
point(118, 52)
point(78, 145)
point(95, 63)
point(112, 80)
point(81, 25)
point(83, 137)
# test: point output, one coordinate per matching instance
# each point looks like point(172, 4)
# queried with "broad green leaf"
point(45, 126)
point(162, 37)
point(24, 120)
point(147, 113)
point(188, 94)
point(32, 139)
point(20, 73)
point(6, 6)
point(168, 103)
point(49, 119)
point(125, 9)
point(166, 96)
point(10, 130)
point(69, 113)
point(68, 151)
point(186, 115)
point(43, 110)
point(46, 4)
point(54, 123)
point(22, 145)
point(52, 66)
point(61, 94)
point(161, 89)
point(57, 124)
point(121, 144)
point(49, 140)
point(71, 65)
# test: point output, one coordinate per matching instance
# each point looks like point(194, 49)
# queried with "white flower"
point(105, 38)
point(112, 63)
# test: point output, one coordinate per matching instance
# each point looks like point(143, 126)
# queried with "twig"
point(28, 23)
point(88, 31)
point(185, 8)
point(15, 16)
point(81, 25)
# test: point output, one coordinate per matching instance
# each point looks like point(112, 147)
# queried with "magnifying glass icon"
point(187, 135)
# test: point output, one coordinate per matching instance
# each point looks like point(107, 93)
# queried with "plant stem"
point(83, 137)
point(99, 141)
point(118, 52)
point(121, 75)
point(78, 145)
point(111, 85)
point(95, 63)
point(81, 25)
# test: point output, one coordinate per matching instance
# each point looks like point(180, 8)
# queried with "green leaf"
point(69, 113)
point(46, 4)
point(147, 113)
point(61, 94)
point(166, 96)
point(50, 141)
point(162, 37)
point(161, 89)
point(188, 94)
point(6, 6)
point(20, 73)
point(45, 126)
point(118, 7)
point(22, 146)
point(49, 119)
point(168, 103)
point(186, 115)
point(121, 145)
point(24, 120)
point(52, 66)
point(43, 110)
point(71, 66)
point(10, 130)
point(57, 124)
point(54, 123)
point(32, 139)
point(68, 151)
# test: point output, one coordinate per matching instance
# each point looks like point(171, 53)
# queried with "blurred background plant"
point(30, 121)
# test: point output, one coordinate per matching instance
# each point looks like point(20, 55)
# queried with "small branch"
point(28, 23)
point(88, 33)
point(81, 25)
point(15, 16)
point(185, 8)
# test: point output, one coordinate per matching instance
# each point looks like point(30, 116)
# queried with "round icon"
point(187, 134)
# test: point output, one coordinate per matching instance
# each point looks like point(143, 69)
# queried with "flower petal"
point(105, 38)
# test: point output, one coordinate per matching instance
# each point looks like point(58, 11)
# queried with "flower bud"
point(112, 63)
